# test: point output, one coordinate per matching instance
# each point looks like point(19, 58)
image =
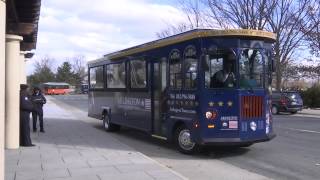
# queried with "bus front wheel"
point(108, 126)
point(184, 142)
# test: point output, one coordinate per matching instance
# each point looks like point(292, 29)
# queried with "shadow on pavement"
point(151, 146)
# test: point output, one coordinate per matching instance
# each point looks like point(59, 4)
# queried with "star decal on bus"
point(211, 103)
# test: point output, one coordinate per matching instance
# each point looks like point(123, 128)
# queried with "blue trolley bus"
point(201, 87)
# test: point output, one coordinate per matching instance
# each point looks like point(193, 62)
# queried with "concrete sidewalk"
point(74, 150)
point(314, 113)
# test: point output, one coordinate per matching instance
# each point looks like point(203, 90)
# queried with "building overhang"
point(22, 19)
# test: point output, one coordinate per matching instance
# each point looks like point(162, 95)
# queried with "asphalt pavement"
point(293, 154)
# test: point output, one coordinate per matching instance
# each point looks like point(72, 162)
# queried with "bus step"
point(159, 137)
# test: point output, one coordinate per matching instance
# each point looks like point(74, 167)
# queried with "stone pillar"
point(2, 82)
point(12, 99)
point(23, 75)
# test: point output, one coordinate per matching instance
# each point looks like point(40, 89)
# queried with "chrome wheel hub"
point(106, 123)
point(185, 140)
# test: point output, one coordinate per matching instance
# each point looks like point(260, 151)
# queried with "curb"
point(164, 166)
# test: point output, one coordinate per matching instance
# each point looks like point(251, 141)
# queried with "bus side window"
point(116, 75)
point(190, 67)
point(96, 77)
point(175, 69)
point(163, 71)
point(138, 73)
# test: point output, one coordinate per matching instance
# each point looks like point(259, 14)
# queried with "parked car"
point(287, 101)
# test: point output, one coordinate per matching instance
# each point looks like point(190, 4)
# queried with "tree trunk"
point(278, 73)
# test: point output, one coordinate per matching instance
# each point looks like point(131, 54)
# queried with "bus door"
point(220, 97)
point(159, 85)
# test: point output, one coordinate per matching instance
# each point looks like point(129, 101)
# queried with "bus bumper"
point(235, 141)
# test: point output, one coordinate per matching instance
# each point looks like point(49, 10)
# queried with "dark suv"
point(288, 101)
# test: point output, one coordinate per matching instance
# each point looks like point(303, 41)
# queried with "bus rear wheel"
point(184, 142)
point(108, 126)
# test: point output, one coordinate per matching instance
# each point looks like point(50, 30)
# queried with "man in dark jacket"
point(26, 107)
point(38, 100)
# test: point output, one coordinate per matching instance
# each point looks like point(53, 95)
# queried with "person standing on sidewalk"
point(38, 100)
point(26, 106)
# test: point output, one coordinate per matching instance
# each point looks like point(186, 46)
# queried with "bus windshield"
point(220, 69)
point(251, 68)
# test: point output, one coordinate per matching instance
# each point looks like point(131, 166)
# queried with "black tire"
point(183, 141)
point(108, 126)
point(294, 112)
point(245, 145)
point(275, 110)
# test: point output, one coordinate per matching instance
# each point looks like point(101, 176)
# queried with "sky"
point(96, 27)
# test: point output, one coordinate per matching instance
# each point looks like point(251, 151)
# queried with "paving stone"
point(93, 171)
point(92, 156)
point(99, 163)
point(54, 165)
point(9, 176)
point(31, 166)
point(73, 159)
point(57, 173)
point(11, 153)
point(53, 158)
point(140, 160)
point(90, 177)
point(138, 167)
point(29, 175)
point(163, 174)
point(126, 176)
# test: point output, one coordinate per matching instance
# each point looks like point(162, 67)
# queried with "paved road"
point(293, 154)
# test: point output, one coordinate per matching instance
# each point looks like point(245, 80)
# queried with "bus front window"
point(251, 69)
point(220, 71)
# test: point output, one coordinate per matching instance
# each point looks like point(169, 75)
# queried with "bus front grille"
point(251, 107)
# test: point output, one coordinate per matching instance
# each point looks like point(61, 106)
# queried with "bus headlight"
point(253, 126)
point(209, 115)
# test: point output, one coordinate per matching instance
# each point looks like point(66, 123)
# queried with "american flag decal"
point(233, 124)
point(147, 104)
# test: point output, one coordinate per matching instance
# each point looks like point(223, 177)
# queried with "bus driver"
point(225, 77)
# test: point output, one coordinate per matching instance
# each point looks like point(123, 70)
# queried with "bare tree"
point(195, 19)
point(246, 14)
point(313, 38)
point(44, 71)
point(287, 21)
point(79, 64)
point(43, 63)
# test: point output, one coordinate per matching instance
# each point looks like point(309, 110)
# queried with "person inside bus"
point(26, 106)
point(38, 100)
point(225, 77)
